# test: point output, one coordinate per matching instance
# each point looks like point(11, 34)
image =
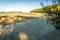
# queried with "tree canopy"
point(48, 9)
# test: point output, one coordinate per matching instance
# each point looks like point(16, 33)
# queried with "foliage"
point(52, 12)
point(48, 9)
point(39, 10)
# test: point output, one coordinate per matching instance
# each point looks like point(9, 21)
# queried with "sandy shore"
point(23, 14)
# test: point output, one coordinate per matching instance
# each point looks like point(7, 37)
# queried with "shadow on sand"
point(30, 29)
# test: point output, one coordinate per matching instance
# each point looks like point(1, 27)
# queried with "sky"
point(21, 5)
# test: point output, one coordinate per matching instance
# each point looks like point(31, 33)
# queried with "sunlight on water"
point(23, 36)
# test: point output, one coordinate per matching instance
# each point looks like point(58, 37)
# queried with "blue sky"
point(21, 5)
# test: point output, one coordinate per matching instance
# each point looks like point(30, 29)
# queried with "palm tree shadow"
point(25, 31)
point(9, 32)
point(53, 35)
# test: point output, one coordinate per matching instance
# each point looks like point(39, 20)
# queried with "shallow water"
point(31, 29)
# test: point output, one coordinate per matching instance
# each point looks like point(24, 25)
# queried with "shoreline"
point(23, 14)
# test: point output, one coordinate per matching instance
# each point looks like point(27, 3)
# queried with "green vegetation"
point(52, 12)
point(48, 9)
point(39, 10)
